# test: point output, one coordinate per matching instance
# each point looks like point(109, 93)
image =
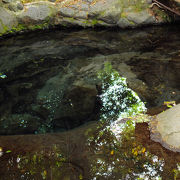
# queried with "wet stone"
point(77, 106)
point(165, 128)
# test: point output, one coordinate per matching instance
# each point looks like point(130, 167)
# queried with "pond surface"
point(49, 84)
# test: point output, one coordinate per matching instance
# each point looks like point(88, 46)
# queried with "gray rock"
point(68, 12)
point(141, 18)
point(7, 20)
point(50, 96)
point(124, 23)
point(38, 12)
point(13, 7)
point(107, 11)
point(77, 106)
point(81, 15)
point(132, 18)
point(165, 128)
point(20, 6)
point(82, 6)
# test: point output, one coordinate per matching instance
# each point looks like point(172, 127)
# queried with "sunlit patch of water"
point(120, 104)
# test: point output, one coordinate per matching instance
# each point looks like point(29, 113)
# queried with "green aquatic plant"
point(118, 100)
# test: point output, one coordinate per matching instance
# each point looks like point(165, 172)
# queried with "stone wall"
point(20, 15)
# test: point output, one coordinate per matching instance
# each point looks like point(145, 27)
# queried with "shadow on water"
point(53, 82)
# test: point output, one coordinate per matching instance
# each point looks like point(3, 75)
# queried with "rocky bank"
point(21, 15)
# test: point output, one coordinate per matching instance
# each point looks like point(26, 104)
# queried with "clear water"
point(36, 72)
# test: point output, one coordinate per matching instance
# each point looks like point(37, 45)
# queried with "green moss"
point(39, 26)
point(71, 19)
point(161, 14)
point(67, 21)
point(92, 22)
point(20, 27)
point(5, 28)
point(102, 13)
point(123, 15)
point(23, 27)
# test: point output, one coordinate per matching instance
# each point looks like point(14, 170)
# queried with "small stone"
point(20, 6)
point(7, 1)
point(13, 7)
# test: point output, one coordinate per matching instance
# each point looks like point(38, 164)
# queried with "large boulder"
point(68, 102)
point(37, 13)
point(165, 128)
point(51, 94)
point(77, 107)
point(132, 18)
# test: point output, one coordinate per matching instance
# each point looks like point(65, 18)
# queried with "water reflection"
point(99, 150)
point(90, 152)
point(117, 147)
point(40, 74)
point(118, 101)
point(123, 158)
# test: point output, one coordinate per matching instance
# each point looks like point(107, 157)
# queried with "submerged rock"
point(165, 128)
point(19, 124)
point(77, 107)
